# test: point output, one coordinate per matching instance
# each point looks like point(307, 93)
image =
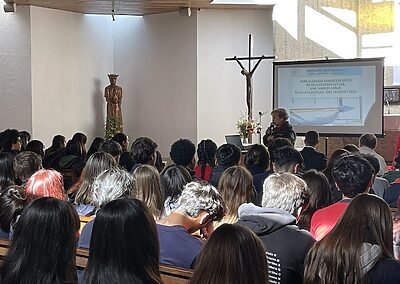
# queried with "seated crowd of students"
point(279, 216)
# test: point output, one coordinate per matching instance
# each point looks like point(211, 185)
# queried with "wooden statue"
point(113, 95)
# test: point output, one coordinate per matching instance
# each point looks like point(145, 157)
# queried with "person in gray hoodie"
point(275, 223)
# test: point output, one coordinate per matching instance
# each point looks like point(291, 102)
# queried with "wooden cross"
point(248, 73)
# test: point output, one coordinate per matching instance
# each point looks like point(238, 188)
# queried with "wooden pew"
point(169, 274)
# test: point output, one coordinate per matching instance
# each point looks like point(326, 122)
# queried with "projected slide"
point(334, 97)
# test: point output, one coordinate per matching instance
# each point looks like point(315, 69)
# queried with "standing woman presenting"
point(279, 128)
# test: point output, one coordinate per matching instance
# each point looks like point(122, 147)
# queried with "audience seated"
point(57, 144)
point(25, 165)
point(396, 231)
point(182, 154)
point(336, 194)
point(233, 254)
point(257, 162)
point(45, 183)
point(236, 188)
point(148, 189)
point(108, 186)
point(95, 146)
point(319, 196)
point(394, 174)
point(96, 164)
point(379, 184)
point(124, 245)
point(82, 139)
point(199, 205)
point(353, 175)
point(143, 151)
point(359, 248)
point(7, 175)
point(12, 202)
point(173, 181)
point(392, 193)
point(11, 141)
point(206, 152)
point(73, 159)
point(113, 148)
point(228, 155)
point(312, 158)
point(287, 160)
point(43, 245)
point(275, 223)
point(125, 160)
point(368, 144)
point(159, 163)
point(36, 146)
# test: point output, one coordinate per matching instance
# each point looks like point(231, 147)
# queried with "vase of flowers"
point(247, 127)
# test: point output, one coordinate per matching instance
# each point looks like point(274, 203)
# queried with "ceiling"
point(131, 7)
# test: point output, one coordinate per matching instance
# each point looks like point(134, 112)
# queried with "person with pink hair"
point(45, 183)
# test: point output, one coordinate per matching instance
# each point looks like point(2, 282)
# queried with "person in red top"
point(353, 176)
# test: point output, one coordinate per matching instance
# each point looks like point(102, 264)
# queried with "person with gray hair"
point(111, 184)
point(198, 206)
point(286, 246)
point(367, 143)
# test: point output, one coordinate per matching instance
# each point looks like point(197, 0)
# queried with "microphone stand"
point(260, 115)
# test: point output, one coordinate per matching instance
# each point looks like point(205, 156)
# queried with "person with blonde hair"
point(274, 223)
point(236, 188)
point(45, 183)
point(148, 189)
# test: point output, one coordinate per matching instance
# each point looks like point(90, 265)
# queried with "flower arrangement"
point(247, 127)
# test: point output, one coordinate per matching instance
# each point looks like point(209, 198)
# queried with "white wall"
point(15, 70)
point(156, 59)
point(221, 87)
point(71, 57)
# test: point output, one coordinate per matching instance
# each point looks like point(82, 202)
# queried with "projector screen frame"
point(378, 62)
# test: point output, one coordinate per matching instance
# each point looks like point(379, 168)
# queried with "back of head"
point(111, 147)
point(276, 144)
point(46, 225)
point(132, 253)
point(233, 254)
point(352, 175)
point(287, 159)
point(332, 160)
point(120, 138)
point(258, 156)
point(45, 183)
point(173, 181)
point(96, 164)
point(143, 150)
point(318, 188)
point(80, 137)
point(351, 148)
point(110, 185)
point(36, 146)
point(12, 202)
point(148, 188)
point(58, 142)
point(369, 140)
point(7, 175)
point(367, 221)
point(26, 164)
point(10, 137)
point(95, 146)
point(373, 161)
point(311, 138)
point(236, 188)
point(182, 152)
point(284, 191)
point(201, 196)
point(228, 155)
point(206, 151)
point(74, 148)
point(25, 138)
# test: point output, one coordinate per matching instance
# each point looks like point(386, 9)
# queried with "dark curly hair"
point(182, 152)
point(228, 155)
point(143, 149)
point(206, 151)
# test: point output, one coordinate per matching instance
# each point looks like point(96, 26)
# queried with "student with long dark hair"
point(124, 245)
point(359, 249)
point(7, 175)
point(206, 152)
point(95, 146)
point(12, 202)
point(43, 245)
point(233, 254)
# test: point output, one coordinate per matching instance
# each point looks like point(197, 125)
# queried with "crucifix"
point(248, 73)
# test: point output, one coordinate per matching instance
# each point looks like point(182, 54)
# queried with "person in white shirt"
point(367, 144)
